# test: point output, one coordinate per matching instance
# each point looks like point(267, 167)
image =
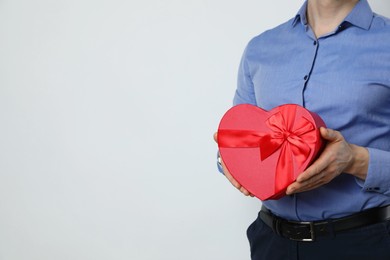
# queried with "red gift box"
point(265, 151)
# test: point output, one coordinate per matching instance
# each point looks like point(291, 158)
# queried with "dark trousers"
point(370, 242)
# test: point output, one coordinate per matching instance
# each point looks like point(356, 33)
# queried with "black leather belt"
point(308, 231)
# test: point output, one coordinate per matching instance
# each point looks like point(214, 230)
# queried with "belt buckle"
point(312, 235)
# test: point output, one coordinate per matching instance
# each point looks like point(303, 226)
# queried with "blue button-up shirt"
point(344, 77)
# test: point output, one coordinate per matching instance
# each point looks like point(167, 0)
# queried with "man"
point(334, 59)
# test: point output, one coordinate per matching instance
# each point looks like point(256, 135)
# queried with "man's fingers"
point(238, 186)
point(229, 176)
point(318, 166)
point(330, 134)
point(245, 191)
point(216, 137)
point(323, 161)
point(233, 181)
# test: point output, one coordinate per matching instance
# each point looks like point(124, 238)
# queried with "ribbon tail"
point(238, 138)
point(284, 169)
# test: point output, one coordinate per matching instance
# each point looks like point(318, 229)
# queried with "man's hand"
point(337, 157)
point(230, 177)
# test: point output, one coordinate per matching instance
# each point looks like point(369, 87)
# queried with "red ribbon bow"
point(291, 136)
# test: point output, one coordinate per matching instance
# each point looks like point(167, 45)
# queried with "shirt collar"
point(301, 15)
point(360, 16)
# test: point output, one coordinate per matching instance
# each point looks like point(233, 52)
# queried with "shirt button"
point(315, 43)
point(305, 77)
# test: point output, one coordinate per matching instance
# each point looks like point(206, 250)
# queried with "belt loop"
point(276, 226)
point(331, 228)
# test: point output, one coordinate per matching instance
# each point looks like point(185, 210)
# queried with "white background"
point(107, 111)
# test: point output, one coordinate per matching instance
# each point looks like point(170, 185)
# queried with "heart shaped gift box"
point(265, 151)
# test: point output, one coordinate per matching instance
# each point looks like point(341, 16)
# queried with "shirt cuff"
point(219, 165)
point(378, 174)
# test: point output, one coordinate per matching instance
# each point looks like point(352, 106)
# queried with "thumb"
point(328, 134)
point(216, 137)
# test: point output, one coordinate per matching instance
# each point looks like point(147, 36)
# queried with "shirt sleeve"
point(219, 165)
point(378, 175)
point(245, 93)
